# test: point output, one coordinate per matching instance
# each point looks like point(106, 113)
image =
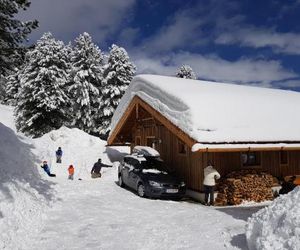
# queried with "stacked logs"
point(244, 185)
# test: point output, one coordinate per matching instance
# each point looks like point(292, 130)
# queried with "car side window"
point(135, 163)
point(127, 162)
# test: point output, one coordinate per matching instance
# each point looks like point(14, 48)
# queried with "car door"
point(134, 173)
point(125, 171)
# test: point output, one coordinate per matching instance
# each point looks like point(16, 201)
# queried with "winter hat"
point(44, 162)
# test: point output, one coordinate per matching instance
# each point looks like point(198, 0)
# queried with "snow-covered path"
point(97, 213)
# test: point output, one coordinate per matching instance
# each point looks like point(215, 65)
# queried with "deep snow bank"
point(276, 227)
point(79, 149)
point(25, 190)
point(23, 194)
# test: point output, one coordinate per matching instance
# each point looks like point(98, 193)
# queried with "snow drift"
point(23, 194)
point(26, 192)
point(79, 149)
point(276, 227)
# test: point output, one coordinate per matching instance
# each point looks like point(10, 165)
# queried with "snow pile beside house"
point(79, 149)
point(23, 194)
point(276, 227)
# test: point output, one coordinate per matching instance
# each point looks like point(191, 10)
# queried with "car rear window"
point(152, 164)
point(154, 171)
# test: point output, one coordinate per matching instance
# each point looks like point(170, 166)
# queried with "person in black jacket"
point(95, 172)
point(288, 186)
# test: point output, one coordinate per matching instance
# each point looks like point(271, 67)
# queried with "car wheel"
point(120, 181)
point(141, 190)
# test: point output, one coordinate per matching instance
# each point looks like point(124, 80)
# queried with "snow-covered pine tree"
point(12, 87)
point(42, 103)
point(118, 73)
point(186, 71)
point(3, 82)
point(85, 82)
point(12, 33)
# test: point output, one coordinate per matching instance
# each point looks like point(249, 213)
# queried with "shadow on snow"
point(18, 167)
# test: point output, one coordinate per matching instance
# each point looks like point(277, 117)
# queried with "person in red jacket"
point(71, 171)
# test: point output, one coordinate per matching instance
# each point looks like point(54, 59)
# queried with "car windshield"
point(153, 165)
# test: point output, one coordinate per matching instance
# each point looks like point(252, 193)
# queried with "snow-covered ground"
point(40, 212)
point(276, 227)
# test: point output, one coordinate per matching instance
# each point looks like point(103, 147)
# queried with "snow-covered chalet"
point(192, 122)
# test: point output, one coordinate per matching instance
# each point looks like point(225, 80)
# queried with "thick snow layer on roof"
point(277, 226)
point(218, 112)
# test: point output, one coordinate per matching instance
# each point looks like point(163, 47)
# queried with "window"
point(283, 157)
point(181, 148)
point(250, 159)
point(135, 163)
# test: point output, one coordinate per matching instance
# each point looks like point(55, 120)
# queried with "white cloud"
point(247, 71)
point(68, 18)
point(183, 30)
point(128, 36)
point(289, 84)
point(288, 43)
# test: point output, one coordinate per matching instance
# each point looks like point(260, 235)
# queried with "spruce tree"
point(3, 82)
point(85, 82)
point(118, 73)
point(12, 33)
point(186, 71)
point(13, 86)
point(42, 103)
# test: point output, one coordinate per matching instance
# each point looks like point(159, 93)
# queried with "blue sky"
point(248, 42)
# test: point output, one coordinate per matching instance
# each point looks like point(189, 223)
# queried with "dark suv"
point(147, 175)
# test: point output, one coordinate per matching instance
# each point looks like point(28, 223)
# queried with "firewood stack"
point(244, 185)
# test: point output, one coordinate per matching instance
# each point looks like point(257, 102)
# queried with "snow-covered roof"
point(211, 112)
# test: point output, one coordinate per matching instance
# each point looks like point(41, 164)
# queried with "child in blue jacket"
point(47, 169)
point(59, 154)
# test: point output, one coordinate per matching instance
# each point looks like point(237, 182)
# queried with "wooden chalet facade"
point(141, 124)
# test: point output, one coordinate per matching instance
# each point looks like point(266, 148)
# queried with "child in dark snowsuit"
point(58, 155)
point(47, 169)
point(71, 172)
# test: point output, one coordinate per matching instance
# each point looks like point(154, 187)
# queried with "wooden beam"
point(137, 111)
point(219, 150)
point(122, 121)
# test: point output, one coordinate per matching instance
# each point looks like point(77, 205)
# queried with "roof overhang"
point(192, 143)
point(133, 105)
point(237, 147)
